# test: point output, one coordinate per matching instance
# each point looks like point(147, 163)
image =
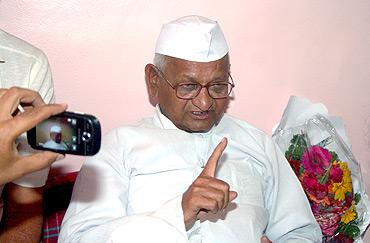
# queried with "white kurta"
point(143, 170)
point(51, 144)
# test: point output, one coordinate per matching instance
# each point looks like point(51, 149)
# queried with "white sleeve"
point(39, 80)
point(98, 208)
point(290, 219)
point(34, 179)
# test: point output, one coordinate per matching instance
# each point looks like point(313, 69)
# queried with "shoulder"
point(10, 44)
point(48, 142)
point(238, 126)
point(129, 131)
point(119, 142)
point(245, 135)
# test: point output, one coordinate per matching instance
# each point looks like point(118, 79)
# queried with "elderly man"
point(55, 141)
point(189, 173)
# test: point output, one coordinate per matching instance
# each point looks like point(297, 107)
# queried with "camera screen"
point(58, 133)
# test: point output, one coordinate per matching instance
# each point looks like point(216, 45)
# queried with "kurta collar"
point(165, 123)
point(162, 121)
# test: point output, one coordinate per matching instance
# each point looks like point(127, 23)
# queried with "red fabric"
point(52, 226)
point(56, 199)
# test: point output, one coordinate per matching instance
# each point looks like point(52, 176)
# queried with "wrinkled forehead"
point(179, 69)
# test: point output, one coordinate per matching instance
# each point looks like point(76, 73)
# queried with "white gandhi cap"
point(192, 38)
point(56, 129)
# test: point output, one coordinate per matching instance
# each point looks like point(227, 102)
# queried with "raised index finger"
point(211, 166)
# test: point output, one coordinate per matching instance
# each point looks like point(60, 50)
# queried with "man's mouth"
point(201, 115)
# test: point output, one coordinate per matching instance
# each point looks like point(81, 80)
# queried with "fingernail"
point(60, 157)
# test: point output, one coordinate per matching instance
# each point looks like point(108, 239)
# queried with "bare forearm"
point(21, 229)
point(22, 219)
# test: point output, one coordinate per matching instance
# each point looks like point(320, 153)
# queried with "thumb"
point(28, 164)
point(211, 165)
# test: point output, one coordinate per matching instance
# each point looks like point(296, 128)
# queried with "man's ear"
point(151, 79)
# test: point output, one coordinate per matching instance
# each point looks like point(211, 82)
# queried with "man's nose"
point(203, 101)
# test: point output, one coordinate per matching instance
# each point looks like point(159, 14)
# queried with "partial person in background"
point(56, 139)
point(190, 172)
point(26, 66)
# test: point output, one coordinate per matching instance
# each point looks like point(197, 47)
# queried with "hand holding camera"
point(12, 165)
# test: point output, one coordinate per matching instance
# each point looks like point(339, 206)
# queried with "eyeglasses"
point(188, 91)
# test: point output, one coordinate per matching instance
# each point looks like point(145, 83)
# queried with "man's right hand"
point(13, 166)
point(207, 194)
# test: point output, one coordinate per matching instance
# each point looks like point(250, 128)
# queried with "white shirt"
point(54, 145)
point(25, 66)
point(144, 169)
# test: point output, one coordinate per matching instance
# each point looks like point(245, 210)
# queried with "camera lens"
point(86, 136)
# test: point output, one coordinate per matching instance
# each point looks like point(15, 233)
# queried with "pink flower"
point(316, 160)
point(315, 207)
point(330, 230)
point(328, 222)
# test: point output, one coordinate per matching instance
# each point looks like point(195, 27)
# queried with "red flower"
point(316, 160)
point(336, 173)
point(349, 199)
point(314, 188)
point(340, 238)
point(295, 165)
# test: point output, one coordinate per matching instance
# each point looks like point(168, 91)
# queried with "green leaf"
point(352, 231)
point(325, 178)
point(334, 156)
point(357, 197)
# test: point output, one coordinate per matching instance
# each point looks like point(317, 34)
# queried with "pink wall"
point(98, 50)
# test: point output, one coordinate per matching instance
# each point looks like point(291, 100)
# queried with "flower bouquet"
point(330, 177)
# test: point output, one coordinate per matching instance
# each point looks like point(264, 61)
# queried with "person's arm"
point(22, 206)
point(23, 212)
point(13, 166)
point(290, 216)
point(22, 218)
